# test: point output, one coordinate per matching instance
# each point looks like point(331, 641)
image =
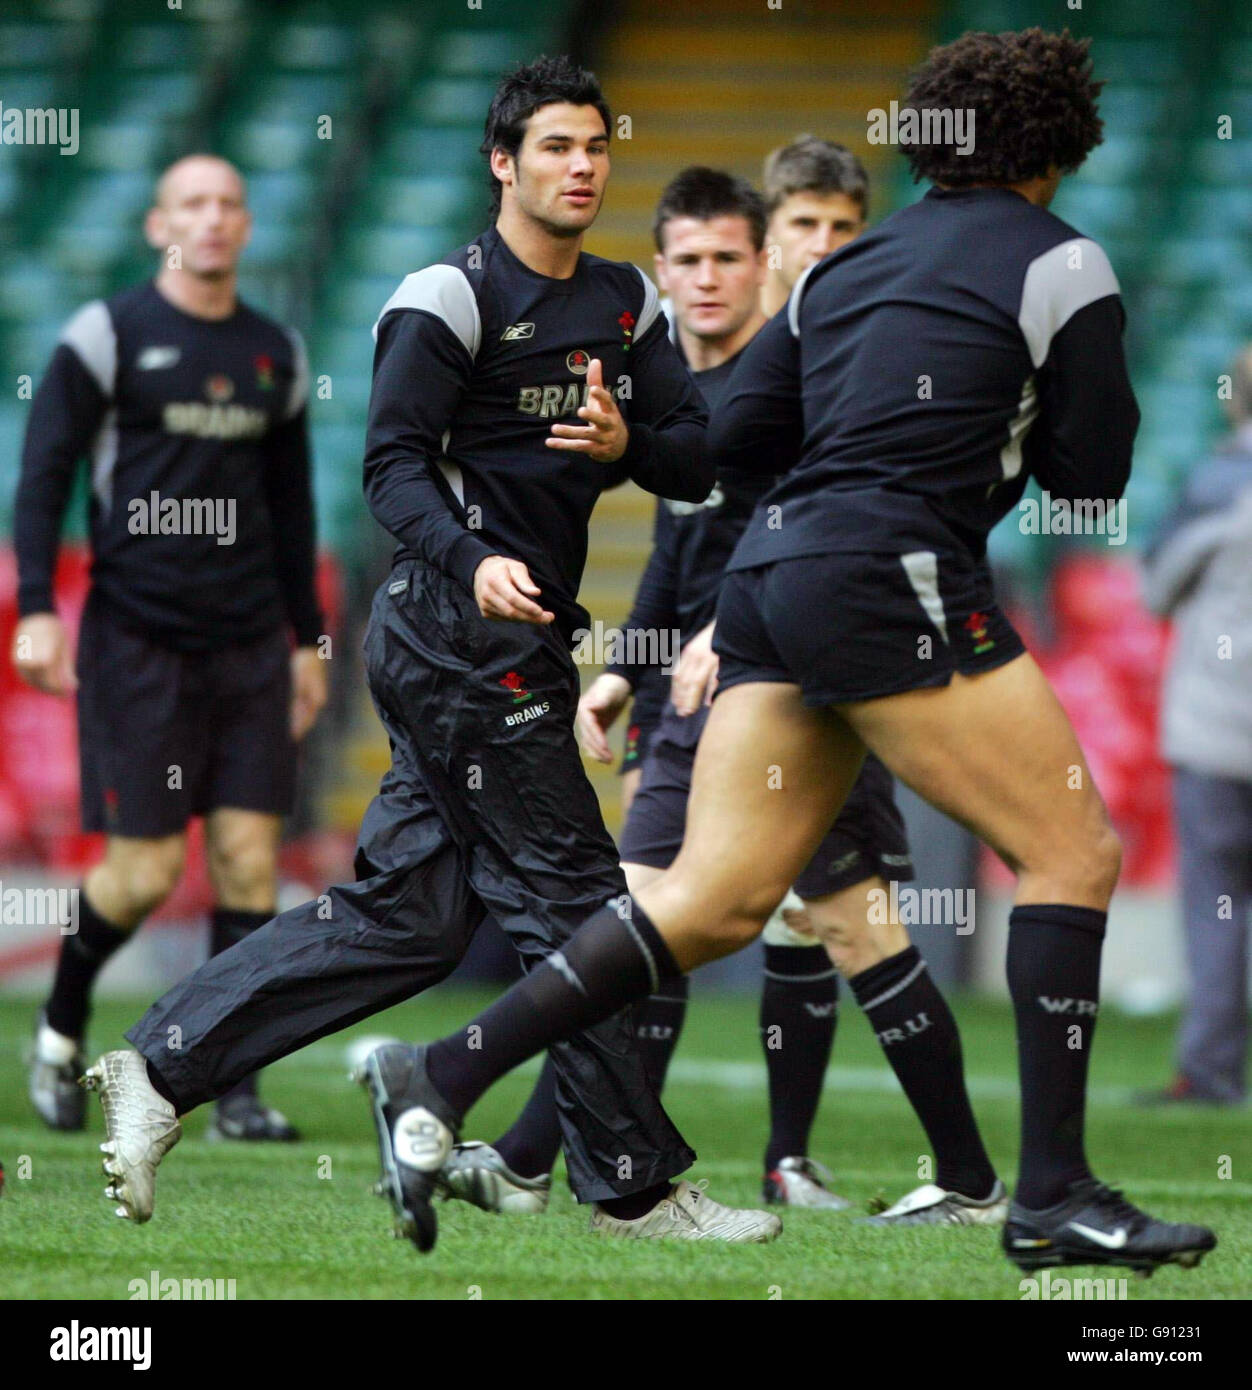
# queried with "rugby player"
point(710, 231)
point(924, 372)
point(513, 382)
point(191, 701)
point(816, 195)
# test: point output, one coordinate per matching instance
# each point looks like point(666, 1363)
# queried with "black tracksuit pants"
point(485, 809)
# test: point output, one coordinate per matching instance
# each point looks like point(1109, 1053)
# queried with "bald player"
point(198, 666)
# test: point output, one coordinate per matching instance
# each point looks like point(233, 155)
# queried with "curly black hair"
point(1034, 103)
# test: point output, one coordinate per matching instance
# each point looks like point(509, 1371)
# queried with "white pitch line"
point(750, 1076)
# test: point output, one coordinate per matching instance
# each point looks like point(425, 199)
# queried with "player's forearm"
point(65, 414)
point(405, 501)
point(755, 435)
point(36, 536)
point(670, 462)
point(296, 564)
point(290, 496)
point(654, 610)
point(43, 493)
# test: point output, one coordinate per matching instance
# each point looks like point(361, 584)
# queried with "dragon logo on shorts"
point(976, 626)
point(516, 687)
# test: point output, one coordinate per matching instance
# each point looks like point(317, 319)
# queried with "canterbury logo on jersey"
point(517, 330)
point(214, 421)
point(550, 402)
point(714, 499)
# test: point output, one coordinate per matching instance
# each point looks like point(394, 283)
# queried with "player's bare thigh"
point(996, 751)
point(770, 776)
point(639, 876)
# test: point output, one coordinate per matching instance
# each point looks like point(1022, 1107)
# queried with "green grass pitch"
point(299, 1221)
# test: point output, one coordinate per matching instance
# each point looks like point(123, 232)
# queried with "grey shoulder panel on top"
point(91, 336)
point(445, 292)
point(793, 302)
point(1057, 285)
point(667, 308)
point(651, 306)
point(299, 396)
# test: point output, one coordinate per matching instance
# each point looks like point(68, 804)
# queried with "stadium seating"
point(358, 132)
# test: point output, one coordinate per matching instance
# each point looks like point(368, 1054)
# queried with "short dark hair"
point(810, 165)
point(706, 193)
point(522, 92)
point(1034, 104)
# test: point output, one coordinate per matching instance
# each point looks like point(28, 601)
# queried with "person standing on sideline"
point(1196, 572)
point(192, 408)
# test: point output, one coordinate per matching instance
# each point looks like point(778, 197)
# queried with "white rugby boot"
point(689, 1213)
point(141, 1128)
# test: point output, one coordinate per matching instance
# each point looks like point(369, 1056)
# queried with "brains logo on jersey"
point(516, 687)
point(578, 361)
point(219, 388)
point(264, 365)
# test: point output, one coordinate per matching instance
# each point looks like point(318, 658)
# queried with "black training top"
point(477, 358)
point(201, 517)
point(691, 544)
point(923, 372)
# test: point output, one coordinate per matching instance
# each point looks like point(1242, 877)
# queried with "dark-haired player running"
point(492, 432)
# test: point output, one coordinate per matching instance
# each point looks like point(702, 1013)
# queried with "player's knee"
point(244, 871)
point(1102, 860)
point(848, 941)
point(1082, 866)
point(844, 940)
point(151, 876)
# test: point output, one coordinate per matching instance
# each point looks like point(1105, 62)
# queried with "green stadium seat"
point(472, 53)
point(447, 101)
point(396, 251)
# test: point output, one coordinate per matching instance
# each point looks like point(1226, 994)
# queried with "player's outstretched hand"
point(695, 677)
point(501, 587)
point(605, 435)
point(308, 689)
point(605, 699)
point(41, 654)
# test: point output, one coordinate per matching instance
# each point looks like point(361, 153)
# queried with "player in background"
point(867, 620)
point(192, 407)
point(817, 198)
point(710, 233)
point(492, 431)
point(816, 195)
